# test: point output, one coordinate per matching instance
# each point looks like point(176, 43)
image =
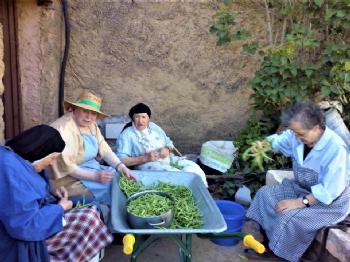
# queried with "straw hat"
point(89, 101)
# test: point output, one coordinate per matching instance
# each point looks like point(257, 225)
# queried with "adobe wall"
point(157, 52)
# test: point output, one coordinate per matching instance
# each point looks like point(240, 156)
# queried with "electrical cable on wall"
point(65, 57)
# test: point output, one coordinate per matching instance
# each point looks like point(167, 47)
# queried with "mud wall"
point(157, 52)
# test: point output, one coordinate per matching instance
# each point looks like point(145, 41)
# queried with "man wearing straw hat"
point(78, 169)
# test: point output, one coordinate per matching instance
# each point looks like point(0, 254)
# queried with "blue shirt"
point(329, 158)
point(128, 144)
point(25, 215)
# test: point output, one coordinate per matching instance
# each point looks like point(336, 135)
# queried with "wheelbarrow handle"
point(128, 244)
point(248, 239)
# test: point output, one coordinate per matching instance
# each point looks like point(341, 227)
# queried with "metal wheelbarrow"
point(137, 240)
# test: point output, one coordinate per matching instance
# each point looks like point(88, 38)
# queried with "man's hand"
point(164, 152)
point(104, 176)
point(284, 206)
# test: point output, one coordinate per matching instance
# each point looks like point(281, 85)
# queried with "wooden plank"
point(223, 177)
point(16, 117)
point(11, 95)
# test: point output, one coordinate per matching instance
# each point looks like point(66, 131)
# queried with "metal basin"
point(163, 220)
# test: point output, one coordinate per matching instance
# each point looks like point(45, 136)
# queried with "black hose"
point(65, 57)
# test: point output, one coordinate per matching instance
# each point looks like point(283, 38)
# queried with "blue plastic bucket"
point(233, 214)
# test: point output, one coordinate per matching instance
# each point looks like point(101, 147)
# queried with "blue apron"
point(102, 192)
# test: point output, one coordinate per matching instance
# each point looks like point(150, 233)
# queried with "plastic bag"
point(218, 155)
point(335, 122)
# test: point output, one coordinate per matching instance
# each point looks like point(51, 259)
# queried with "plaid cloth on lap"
point(81, 239)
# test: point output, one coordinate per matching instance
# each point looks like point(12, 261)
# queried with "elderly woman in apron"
point(145, 146)
point(78, 168)
point(291, 213)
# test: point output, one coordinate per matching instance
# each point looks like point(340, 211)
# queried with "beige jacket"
point(73, 155)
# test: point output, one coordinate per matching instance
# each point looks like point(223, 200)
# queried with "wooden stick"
point(177, 151)
point(223, 177)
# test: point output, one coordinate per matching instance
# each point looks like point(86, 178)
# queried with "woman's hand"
point(284, 206)
point(152, 156)
point(63, 195)
point(104, 176)
point(41, 164)
point(126, 172)
point(164, 152)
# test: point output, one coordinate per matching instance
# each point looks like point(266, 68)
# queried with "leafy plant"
point(303, 37)
point(340, 85)
point(307, 57)
point(222, 26)
point(254, 178)
point(251, 48)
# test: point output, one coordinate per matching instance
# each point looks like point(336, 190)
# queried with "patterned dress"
point(83, 227)
point(291, 234)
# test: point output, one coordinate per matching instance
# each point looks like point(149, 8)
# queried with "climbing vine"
point(307, 55)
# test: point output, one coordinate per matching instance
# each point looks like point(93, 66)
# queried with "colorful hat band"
point(89, 103)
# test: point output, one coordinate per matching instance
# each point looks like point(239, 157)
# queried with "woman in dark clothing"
point(33, 225)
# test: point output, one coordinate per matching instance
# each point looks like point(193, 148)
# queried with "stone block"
point(338, 243)
point(276, 176)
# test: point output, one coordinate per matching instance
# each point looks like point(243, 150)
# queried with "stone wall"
point(2, 71)
point(157, 52)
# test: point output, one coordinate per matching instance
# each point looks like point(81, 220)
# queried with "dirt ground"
point(166, 250)
point(203, 250)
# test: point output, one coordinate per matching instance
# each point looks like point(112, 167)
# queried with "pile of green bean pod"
point(186, 212)
point(129, 186)
point(149, 205)
point(175, 191)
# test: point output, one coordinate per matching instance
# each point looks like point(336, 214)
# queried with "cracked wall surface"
point(157, 52)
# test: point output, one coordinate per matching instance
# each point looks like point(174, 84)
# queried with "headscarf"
point(140, 108)
point(37, 143)
point(137, 109)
